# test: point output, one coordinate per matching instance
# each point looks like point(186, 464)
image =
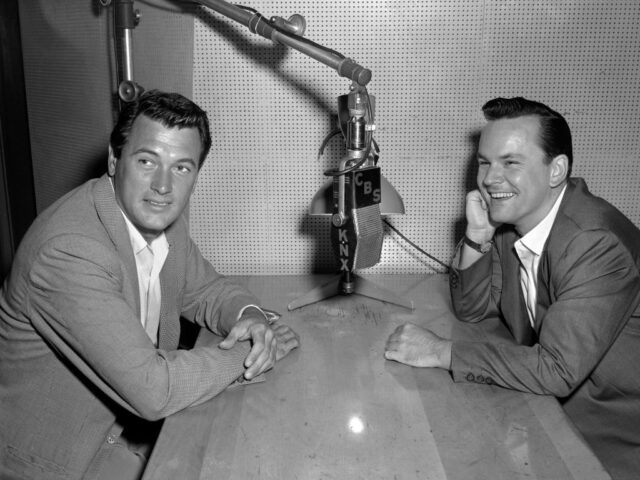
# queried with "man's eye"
point(144, 161)
point(183, 169)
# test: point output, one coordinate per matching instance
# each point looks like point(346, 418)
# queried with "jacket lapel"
point(545, 293)
point(111, 217)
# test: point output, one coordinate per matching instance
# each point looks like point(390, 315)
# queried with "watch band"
point(482, 248)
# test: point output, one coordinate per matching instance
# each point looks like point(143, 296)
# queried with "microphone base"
point(348, 284)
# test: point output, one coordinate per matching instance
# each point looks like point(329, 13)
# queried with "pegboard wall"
point(434, 64)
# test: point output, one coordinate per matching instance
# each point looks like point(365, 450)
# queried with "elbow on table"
point(558, 387)
point(148, 408)
point(151, 414)
point(149, 404)
point(563, 384)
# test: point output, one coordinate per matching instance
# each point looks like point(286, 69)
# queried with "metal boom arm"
point(282, 31)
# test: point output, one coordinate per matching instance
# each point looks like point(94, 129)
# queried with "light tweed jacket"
point(75, 362)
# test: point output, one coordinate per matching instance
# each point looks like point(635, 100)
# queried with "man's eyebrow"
point(511, 155)
point(145, 150)
point(187, 160)
point(504, 156)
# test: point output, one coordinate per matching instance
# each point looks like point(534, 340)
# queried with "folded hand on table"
point(269, 343)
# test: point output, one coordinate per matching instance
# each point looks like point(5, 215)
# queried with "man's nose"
point(161, 181)
point(493, 175)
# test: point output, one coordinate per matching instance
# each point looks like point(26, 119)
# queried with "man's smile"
point(501, 195)
point(158, 203)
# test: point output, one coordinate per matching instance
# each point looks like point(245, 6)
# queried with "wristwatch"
point(482, 248)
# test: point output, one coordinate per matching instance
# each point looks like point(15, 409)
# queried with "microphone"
point(357, 233)
point(356, 221)
point(353, 199)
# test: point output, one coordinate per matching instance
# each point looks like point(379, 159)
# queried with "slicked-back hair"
point(171, 109)
point(555, 135)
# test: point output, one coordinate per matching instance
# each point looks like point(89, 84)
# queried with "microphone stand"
point(289, 33)
point(348, 283)
point(356, 218)
point(125, 19)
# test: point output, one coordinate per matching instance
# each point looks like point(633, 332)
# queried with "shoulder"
point(582, 210)
point(585, 215)
point(71, 222)
point(75, 256)
point(69, 212)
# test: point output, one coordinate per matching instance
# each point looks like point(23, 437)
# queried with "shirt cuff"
point(269, 315)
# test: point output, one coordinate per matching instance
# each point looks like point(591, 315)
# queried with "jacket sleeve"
point(77, 303)
point(476, 290)
point(210, 299)
point(593, 289)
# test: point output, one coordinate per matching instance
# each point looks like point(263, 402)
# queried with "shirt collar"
point(535, 239)
point(138, 242)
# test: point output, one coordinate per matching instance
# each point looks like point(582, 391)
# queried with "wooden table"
point(336, 409)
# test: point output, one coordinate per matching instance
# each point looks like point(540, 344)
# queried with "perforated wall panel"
point(434, 64)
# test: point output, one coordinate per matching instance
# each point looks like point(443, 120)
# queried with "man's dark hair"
point(555, 135)
point(171, 109)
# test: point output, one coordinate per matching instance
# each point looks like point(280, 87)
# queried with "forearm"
point(473, 247)
point(219, 306)
point(505, 364)
point(473, 294)
point(200, 374)
point(210, 299)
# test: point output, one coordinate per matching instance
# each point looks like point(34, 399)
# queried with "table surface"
point(336, 409)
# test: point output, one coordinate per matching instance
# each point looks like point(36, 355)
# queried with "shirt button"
point(111, 439)
point(489, 381)
point(480, 379)
point(470, 377)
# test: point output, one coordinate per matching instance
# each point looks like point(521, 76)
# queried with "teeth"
point(501, 195)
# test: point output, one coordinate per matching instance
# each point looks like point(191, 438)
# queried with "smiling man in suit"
point(561, 268)
point(90, 314)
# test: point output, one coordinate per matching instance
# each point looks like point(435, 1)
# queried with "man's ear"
point(111, 162)
point(559, 169)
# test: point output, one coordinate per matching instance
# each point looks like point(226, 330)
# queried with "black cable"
point(416, 246)
point(326, 141)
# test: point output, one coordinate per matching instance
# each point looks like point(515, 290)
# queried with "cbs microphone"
point(357, 232)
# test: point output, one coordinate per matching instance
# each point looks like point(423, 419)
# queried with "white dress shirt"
point(150, 258)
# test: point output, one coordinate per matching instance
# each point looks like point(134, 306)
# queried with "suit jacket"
point(585, 344)
point(76, 365)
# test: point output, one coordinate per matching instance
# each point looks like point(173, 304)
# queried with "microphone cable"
point(416, 246)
